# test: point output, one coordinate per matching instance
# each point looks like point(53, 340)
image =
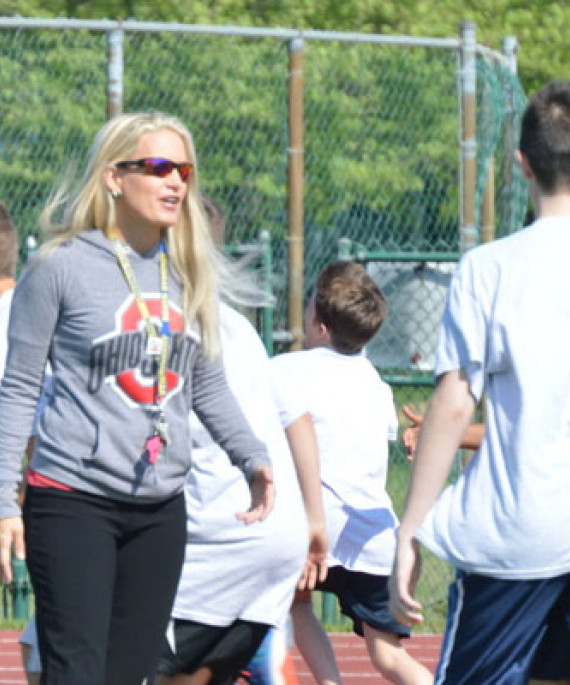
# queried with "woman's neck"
point(142, 241)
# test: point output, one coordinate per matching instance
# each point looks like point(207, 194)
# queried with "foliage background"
point(362, 165)
point(539, 25)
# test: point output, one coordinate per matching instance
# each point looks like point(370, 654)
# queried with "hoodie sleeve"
point(219, 411)
point(33, 317)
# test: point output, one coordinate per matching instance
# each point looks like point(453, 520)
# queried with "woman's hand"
point(11, 540)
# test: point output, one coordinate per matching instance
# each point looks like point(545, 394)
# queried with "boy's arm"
point(471, 440)
point(303, 445)
point(448, 415)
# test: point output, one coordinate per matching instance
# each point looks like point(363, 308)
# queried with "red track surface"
point(354, 663)
point(350, 651)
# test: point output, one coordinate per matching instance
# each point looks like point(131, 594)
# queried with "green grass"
point(12, 624)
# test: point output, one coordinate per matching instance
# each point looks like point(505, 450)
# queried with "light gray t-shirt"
point(507, 325)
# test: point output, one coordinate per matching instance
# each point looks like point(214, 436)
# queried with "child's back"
point(354, 417)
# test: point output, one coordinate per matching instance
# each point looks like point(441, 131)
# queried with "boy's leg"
point(494, 629)
point(391, 659)
point(312, 641)
point(551, 665)
point(364, 598)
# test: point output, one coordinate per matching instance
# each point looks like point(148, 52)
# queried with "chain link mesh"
point(382, 131)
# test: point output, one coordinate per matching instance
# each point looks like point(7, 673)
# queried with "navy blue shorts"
point(363, 597)
point(501, 632)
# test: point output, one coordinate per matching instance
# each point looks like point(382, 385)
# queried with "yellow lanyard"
point(157, 345)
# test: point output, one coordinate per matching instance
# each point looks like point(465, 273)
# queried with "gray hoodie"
point(75, 309)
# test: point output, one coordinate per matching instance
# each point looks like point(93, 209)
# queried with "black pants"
point(104, 575)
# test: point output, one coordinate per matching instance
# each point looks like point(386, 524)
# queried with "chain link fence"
point(382, 172)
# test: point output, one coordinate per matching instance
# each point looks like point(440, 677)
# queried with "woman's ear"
point(113, 180)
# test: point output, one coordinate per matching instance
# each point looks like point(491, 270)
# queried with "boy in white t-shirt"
point(238, 582)
point(354, 417)
point(505, 523)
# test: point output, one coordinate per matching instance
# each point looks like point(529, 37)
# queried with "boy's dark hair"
point(350, 304)
point(8, 244)
point(545, 136)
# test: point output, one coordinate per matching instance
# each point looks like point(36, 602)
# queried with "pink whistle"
point(153, 446)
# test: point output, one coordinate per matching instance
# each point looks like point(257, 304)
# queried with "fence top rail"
point(492, 55)
point(228, 30)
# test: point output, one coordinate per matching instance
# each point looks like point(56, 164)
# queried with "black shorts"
point(225, 650)
point(363, 597)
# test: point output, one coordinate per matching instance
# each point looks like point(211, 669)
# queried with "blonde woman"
point(122, 303)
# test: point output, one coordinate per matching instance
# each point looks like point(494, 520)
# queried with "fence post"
point(295, 192)
point(468, 177)
point(328, 608)
point(509, 49)
point(488, 204)
point(114, 72)
point(20, 590)
point(267, 311)
point(344, 248)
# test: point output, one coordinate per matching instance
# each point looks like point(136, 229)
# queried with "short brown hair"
point(545, 136)
point(350, 304)
point(8, 244)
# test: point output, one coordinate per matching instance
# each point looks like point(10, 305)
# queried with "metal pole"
point(488, 205)
point(20, 590)
point(468, 237)
point(510, 48)
point(344, 248)
point(296, 163)
point(267, 311)
point(487, 234)
point(114, 72)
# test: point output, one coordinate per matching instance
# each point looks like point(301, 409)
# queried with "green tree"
point(539, 25)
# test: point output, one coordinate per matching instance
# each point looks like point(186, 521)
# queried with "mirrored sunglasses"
point(157, 166)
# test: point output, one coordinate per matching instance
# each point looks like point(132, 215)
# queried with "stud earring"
point(116, 194)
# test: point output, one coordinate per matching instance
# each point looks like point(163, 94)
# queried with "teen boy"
point(505, 523)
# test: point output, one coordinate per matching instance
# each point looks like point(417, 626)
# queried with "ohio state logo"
point(120, 357)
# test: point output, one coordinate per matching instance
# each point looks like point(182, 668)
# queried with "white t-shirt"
point(507, 324)
point(354, 416)
point(5, 304)
point(231, 570)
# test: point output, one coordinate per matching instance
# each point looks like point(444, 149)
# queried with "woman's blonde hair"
point(91, 205)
